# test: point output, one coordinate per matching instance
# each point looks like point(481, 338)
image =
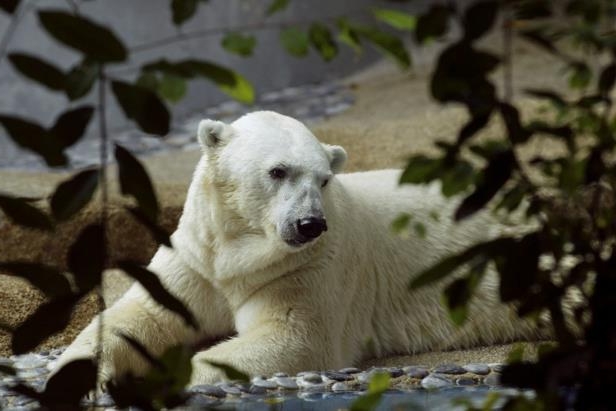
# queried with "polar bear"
point(295, 266)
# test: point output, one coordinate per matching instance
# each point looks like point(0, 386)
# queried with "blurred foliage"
point(571, 203)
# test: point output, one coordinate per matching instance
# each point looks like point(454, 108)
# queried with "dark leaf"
point(239, 44)
point(276, 6)
point(7, 370)
point(607, 79)
point(457, 178)
point(553, 97)
point(295, 41)
point(86, 257)
point(137, 346)
point(183, 10)
point(432, 24)
point(71, 125)
point(321, 39)
point(80, 79)
point(515, 131)
point(486, 149)
point(95, 41)
point(396, 18)
point(458, 293)
point(475, 124)
point(448, 265)
point(479, 19)
point(160, 235)
point(539, 38)
point(232, 373)
point(580, 75)
point(24, 214)
point(157, 291)
point(47, 279)
point(38, 70)
point(388, 44)
point(495, 175)
point(421, 169)
point(149, 80)
point(513, 197)
point(589, 10)
point(532, 9)
point(135, 181)
point(70, 384)
point(9, 6)
point(74, 194)
point(48, 319)
point(518, 268)
point(143, 106)
point(35, 138)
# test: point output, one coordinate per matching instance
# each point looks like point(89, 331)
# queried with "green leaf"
point(172, 88)
point(71, 125)
point(580, 75)
point(38, 70)
point(607, 79)
point(420, 229)
point(348, 35)
point(148, 80)
point(295, 41)
point(379, 383)
point(232, 373)
point(226, 80)
point(160, 235)
point(400, 224)
point(239, 44)
point(395, 18)
point(516, 354)
point(95, 41)
point(80, 79)
point(35, 138)
point(135, 181)
point(157, 291)
point(276, 6)
point(24, 214)
point(420, 169)
point(321, 39)
point(143, 106)
point(9, 6)
point(67, 388)
point(458, 293)
point(86, 257)
point(48, 319)
point(74, 194)
point(495, 175)
point(47, 279)
point(457, 178)
point(432, 24)
point(479, 19)
point(388, 44)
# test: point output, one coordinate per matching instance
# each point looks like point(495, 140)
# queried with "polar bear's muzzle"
point(306, 230)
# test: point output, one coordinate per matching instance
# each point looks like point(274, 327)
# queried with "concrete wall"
point(140, 22)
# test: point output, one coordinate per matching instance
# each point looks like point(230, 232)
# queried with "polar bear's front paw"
point(204, 373)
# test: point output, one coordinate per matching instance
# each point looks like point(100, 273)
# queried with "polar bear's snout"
point(311, 227)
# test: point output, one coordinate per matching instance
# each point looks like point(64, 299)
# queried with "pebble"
point(281, 375)
point(449, 369)
point(350, 370)
point(465, 381)
point(267, 384)
point(498, 367)
point(230, 389)
point(312, 377)
point(209, 390)
point(286, 383)
point(479, 369)
point(492, 380)
point(257, 389)
point(340, 387)
point(203, 402)
point(433, 381)
point(416, 372)
point(329, 376)
point(395, 372)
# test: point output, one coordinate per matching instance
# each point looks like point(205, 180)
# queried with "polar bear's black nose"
point(311, 227)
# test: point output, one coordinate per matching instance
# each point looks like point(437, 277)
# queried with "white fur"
point(323, 305)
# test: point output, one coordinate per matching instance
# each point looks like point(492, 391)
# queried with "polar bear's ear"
point(212, 133)
point(337, 157)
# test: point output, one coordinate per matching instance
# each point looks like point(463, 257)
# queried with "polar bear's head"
point(272, 174)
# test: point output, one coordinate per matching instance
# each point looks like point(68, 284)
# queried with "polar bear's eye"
point(325, 182)
point(277, 173)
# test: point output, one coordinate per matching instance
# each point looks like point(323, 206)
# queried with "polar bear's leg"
point(137, 315)
point(266, 349)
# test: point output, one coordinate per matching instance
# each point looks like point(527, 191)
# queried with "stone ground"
point(392, 117)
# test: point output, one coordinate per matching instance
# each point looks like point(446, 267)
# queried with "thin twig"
point(104, 140)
